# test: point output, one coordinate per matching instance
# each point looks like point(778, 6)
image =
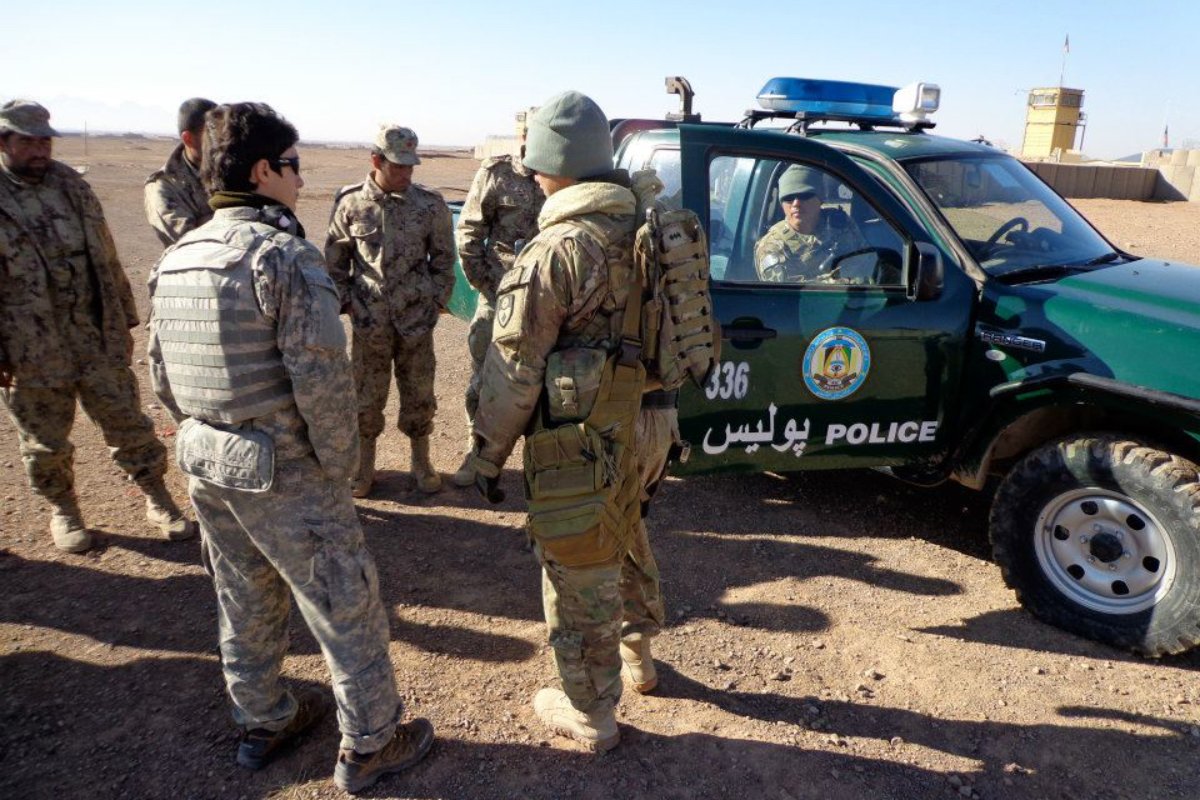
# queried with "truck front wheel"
point(1099, 535)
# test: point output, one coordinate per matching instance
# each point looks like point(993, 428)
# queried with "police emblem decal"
point(836, 363)
point(504, 312)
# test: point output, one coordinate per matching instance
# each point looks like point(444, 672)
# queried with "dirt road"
point(837, 635)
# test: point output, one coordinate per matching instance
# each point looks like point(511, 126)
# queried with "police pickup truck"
point(948, 316)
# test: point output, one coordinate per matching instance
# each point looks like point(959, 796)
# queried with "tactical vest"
point(581, 477)
point(219, 350)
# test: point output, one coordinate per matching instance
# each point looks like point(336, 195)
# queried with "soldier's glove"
point(487, 480)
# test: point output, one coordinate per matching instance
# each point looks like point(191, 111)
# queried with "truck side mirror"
point(926, 281)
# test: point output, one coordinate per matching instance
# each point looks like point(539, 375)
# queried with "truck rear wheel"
point(1099, 535)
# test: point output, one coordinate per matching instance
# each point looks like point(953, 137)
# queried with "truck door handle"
point(750, 334)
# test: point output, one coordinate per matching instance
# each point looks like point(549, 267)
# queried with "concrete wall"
point(1178, 174)
point(1082, 180)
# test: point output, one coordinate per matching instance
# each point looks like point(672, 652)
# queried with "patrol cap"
point(798, 180)
point(397, 144)
point(25, 117)
point(569, 136)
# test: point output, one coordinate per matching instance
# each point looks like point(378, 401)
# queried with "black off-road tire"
point(1100, 535)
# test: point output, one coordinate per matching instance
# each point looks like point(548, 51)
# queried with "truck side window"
point(782, 222)
point(666, 164)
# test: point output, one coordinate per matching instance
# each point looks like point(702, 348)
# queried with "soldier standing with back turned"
point(66, 310)
point(566, 323)
point(390, 250)
point(499, 214)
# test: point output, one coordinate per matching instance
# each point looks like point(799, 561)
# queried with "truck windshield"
point(1009, 220)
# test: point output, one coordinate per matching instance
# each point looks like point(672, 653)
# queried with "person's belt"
point(661, 399)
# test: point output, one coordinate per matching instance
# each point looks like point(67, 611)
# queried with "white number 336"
point(728, 381)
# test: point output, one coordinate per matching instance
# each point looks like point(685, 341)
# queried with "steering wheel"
point(1001, 232)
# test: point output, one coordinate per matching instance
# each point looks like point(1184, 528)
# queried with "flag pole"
point(1066, 52)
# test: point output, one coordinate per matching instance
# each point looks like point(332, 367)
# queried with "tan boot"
point(428, 480)
point(597, 731)
point(366, 468)
point(465, 475)
point(640, 665)
point(162, 512)
point(67, 528)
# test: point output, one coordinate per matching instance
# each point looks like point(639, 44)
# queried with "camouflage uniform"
point(176, 201)
point(784, 256)
point(392, 257)
point(641, 594)
point(65, 313)
point(574, 296)
point(499, 214)
point(301, 534)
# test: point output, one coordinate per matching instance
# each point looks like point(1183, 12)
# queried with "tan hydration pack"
point(681, 336)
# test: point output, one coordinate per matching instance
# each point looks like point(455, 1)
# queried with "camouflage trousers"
point(375, 353)
point(641, 593)
point(479, 338)
point(44, 416)
point(299, 539)
point(589, 611)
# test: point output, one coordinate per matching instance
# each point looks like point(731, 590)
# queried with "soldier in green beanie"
point(565, 304)
point(804, 245)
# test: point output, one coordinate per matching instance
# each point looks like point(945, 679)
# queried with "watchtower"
point(1051, 119)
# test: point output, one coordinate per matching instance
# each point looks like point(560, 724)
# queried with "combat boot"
point(639, 664)
point(465, 475)
point(366, 468)
point(596, 730)
point(162, 512)
point(67, 528)
point(356, 771)
point(428, 480)
point(258, 746)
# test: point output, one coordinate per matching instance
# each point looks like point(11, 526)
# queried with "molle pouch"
point(572, 382)
point(236, 459)
point(569, 472)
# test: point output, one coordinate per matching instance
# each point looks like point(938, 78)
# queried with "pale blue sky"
point(457, 71)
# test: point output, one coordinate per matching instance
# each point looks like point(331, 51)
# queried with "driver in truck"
point(803, 245)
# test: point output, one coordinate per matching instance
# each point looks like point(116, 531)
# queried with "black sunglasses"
point(802, 197)
point(293, 162)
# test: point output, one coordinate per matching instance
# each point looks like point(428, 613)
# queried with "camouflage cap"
point(798, 180)
point(25, 117)
point(398, 144)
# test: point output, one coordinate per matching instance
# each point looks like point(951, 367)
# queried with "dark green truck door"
point(834, 368)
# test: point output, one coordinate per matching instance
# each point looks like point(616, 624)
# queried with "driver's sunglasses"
point(293, 162)
point(802, 198)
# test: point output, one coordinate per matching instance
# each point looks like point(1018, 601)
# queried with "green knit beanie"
point(798, 180)
point(569, 136)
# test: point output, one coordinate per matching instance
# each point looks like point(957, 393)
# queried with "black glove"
point(490, 489)
point(487, 480)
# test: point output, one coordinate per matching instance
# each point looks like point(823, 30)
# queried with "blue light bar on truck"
point(840, 98)
point(860, 101)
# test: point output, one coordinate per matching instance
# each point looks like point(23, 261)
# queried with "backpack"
point(680, 336)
